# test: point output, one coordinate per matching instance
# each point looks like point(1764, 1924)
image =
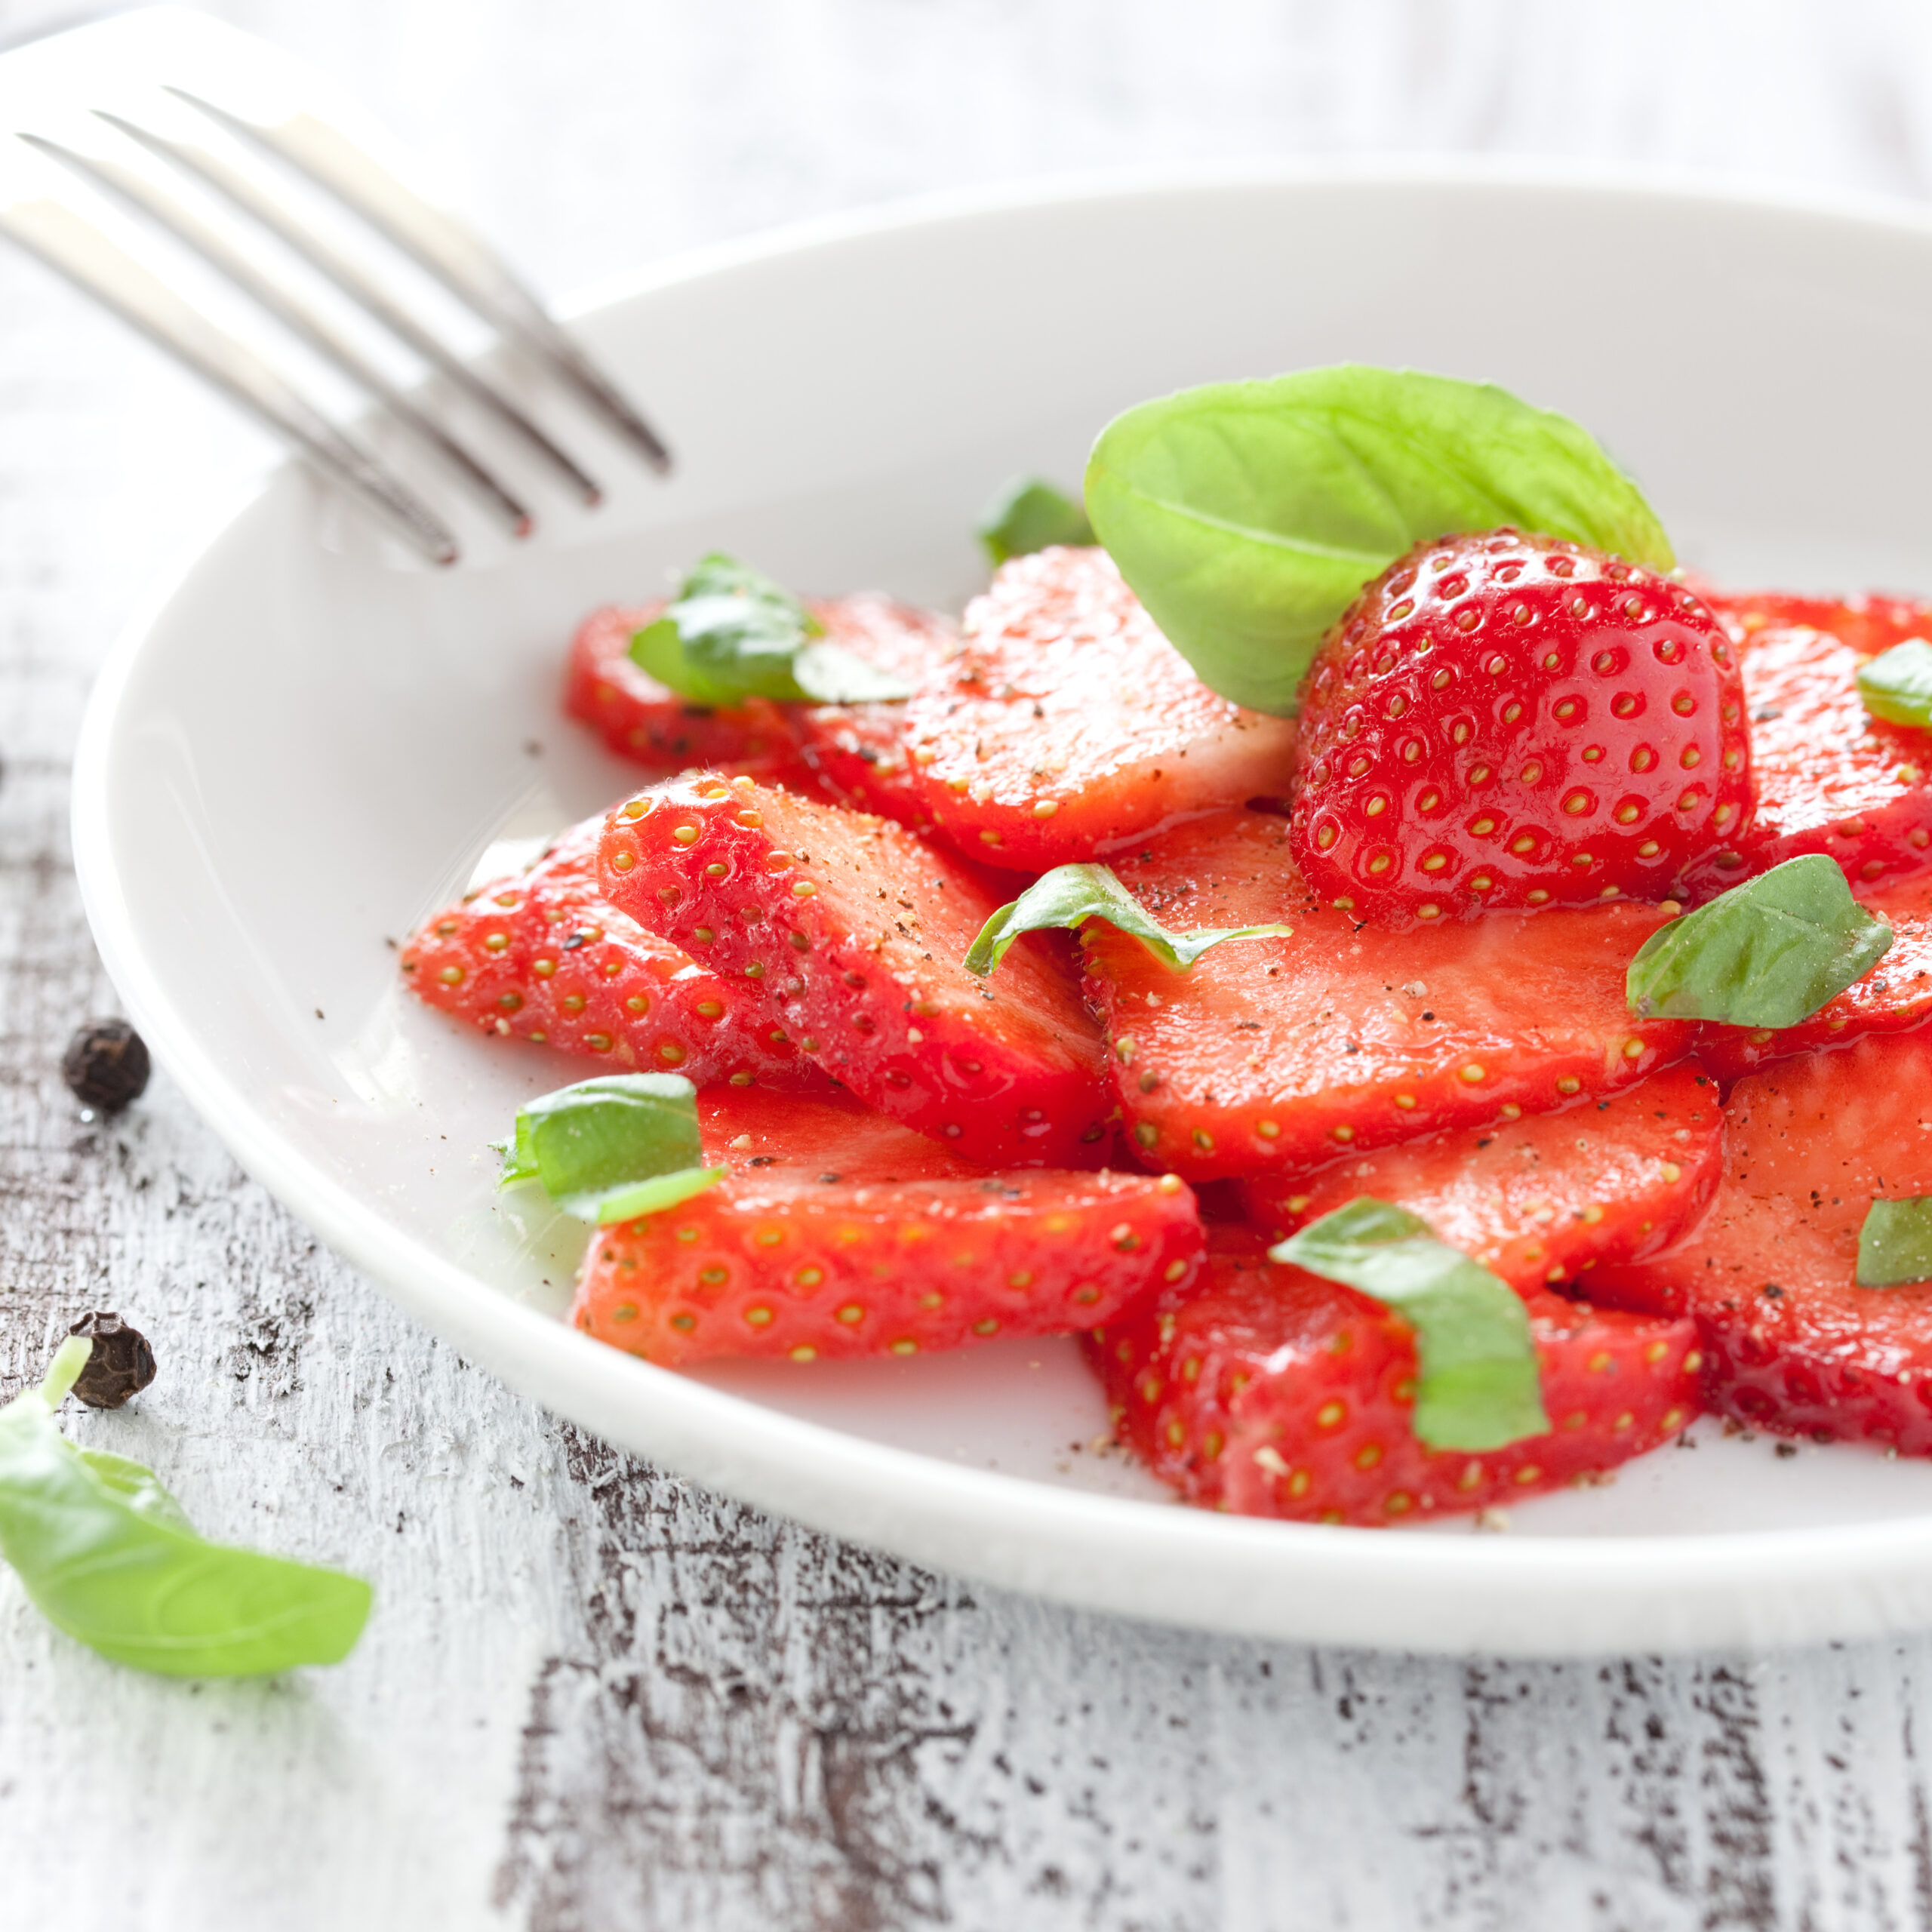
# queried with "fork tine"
point(179, 220)
point(318, 148)
point(68, 242)
point(261, 206)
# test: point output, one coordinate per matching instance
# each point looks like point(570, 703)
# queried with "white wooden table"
point(593, 1697)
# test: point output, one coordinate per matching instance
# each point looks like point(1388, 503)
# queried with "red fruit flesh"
point(1273, 1055)
point(857, 931)
point(545, 957)
point(1067, 722)
point(1830, 778)
point(1541, 1199)
point(640, 719)
point(1504, 721)
point(1791, 1343)
point(852, 1236)
point(1264, 1390)
point(1895, 997)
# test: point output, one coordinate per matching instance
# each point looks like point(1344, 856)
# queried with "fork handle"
point(73, 245)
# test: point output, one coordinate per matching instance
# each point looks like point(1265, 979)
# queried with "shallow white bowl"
point(308, 742)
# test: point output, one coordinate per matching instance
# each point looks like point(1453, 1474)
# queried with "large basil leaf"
point(1769, 953)
point(108, 1555)
point(1068, 896)
point(1247, 516)
point(1477, 1386)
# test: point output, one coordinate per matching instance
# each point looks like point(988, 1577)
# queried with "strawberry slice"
point(1793, 1344)
point(1895, 997)
point(640, 719)
point(1067, 722)
point(837, 1235)
point(1543, 1199)
point(1267, 1390)
point(1830, 777)
point(857, 931)
point(1508, 721)
point(855, 752)
point(1273, 1055)
point(545, 957)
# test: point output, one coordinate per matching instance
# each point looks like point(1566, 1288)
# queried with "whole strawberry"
point(1508, 721)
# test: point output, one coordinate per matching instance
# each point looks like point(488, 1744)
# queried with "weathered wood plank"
point(592, 1698)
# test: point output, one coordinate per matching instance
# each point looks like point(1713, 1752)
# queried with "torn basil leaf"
point(1070, 895)
point(1028, 515)
point(109, 1557)
point(612, 1148)
point(1477, 1386)
point(734, 634)
point(1769, 953)
point(1247, 516)
point(1895, 1243)
point(1896, 685)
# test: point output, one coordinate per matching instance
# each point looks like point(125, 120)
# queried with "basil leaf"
point(1070, 895)
point(1896, 685)
point(1895, 1243)
point(107, 1555)
point(734, 634)
point(1478, 1387)
point(1028, 515)
point(1247, 516)
point(611, 1149)
point(1769, 953)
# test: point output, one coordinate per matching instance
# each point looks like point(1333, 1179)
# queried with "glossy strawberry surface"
point(1067, 722)
point(1264, 1390)
point(1545, 1199)
point(841, 1234)
point(1830, 777)
point(1273, 1055)
point(1502, 720)
point(544, 956)
point(1793, 1343)
point(856, 933)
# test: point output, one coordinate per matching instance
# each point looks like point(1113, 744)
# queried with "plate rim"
point(1684, 1590)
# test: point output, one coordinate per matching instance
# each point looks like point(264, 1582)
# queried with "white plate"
point(307, 745)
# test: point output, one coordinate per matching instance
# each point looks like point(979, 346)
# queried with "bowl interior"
point(314, 742)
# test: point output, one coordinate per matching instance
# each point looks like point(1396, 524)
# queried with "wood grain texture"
point(592, 1698)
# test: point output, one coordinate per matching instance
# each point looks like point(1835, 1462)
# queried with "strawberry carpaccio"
point(1516, 759)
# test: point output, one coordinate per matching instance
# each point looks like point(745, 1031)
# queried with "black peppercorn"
point(106, 1065)
point(121, 1363)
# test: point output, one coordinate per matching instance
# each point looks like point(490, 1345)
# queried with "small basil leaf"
point(1895, 1243)
point(640, 1197)
point(1247, 516)
point(1896, 685)
point(1769, 953)
point(1477, 1386)
point(1070, 895)
point(603, 1146)
point(1028, 515)
point(734, 634)
point(829, 673)
point(107, 1555)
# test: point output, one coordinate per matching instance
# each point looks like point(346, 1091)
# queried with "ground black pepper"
point(122, 1364)
point(106, 1065)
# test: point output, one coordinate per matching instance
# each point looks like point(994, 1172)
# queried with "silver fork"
point(145, 105)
